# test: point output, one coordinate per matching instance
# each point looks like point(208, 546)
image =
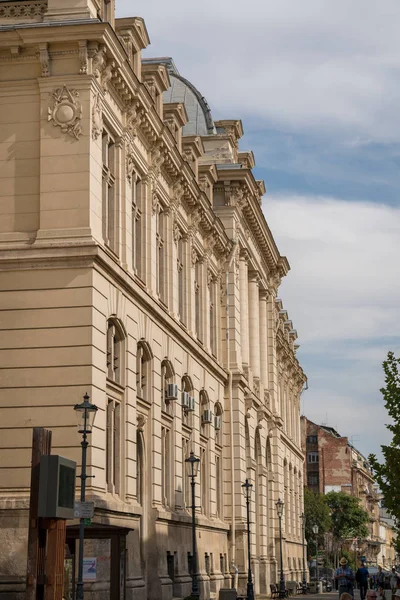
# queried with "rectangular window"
point(312, 439)
point(165, 465)
point(161, 263)
point(313, 479)
point(198, 300)
point(113, 445)
point(181, 264)
point(218, 484)
point(313, 457)
point(137, 222)
point(109, 202)
point(213, 317)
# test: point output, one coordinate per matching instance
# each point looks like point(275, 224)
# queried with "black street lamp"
point(192, 465)
point(85, 413)
point(304, 584)
point(315, 531)
point(247, 487)
point(279, 509)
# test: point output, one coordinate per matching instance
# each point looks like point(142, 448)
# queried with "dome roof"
point(200, 121)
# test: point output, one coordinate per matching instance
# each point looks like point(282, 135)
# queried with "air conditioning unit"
point(185, 400)
point(192, 403)
point(217, 422)
point(206, 417)
point(172, 391)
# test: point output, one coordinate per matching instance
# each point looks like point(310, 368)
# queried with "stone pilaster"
point(254, 324)
point(244, 312)
point(264, 338)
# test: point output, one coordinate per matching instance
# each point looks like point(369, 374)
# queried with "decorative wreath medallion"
point(66, 111)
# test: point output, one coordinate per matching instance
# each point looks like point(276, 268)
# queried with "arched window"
point(187, 409)
point(205, 412)
point(115, 347)
point(167, 445)
point(144, 356)
point(114, 406)
point(167, 378)
point(218, 423)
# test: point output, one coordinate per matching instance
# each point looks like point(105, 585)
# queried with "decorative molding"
point(99, 61)
point(83, 57)
point(134, 117)
point(177, 233)
point(141, 421)
point(23, 10)
point(130, 162)
point(66, 111)
point(97, 117)
point(44, 59)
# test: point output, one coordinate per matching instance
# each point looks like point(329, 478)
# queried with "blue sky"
point(317, 86)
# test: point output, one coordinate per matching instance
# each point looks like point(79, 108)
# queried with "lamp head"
point(192, 465)
point(246, 489)
point(85, 415)
point(279, 507)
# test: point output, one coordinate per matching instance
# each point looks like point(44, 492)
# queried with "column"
point(254, 324)
point(263, 338)
point(244, 309)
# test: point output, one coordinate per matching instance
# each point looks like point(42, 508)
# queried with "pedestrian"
point(380, 578)
point(362, 576)
point(380, 594)
point(393, 581)
point(345, 578)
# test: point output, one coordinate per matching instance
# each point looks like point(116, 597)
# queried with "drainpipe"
point(230, 393)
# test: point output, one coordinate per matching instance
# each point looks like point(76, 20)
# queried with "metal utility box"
point(56, 487)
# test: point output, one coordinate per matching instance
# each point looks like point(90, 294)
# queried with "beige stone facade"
point(136, 264)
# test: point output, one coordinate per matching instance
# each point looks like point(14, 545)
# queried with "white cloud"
point(343, 295)
point(299, 64)
point(345, 261)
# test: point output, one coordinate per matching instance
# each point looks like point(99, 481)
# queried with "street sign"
point(84, 510)
point(87, 521)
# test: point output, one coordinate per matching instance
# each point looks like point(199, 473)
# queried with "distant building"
point(333, 464)
point(387, 553)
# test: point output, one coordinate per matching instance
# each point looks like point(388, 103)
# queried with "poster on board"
point(89, 569)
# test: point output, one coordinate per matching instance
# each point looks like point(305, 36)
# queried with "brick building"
point(334, 464)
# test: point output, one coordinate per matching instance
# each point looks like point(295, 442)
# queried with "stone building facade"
point(137, 265)
point(333, 464)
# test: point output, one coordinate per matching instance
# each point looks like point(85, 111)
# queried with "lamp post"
point(247, 487)
point(85, 413)
point(192, 465)
point(315, 531)
point(279, 509)
point(304, 584)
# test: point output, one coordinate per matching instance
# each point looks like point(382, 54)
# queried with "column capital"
point(244, 254)
point(254, 277)
point(264, 294)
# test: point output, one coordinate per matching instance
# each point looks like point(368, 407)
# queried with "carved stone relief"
point(83, 57)
point(66, 111)
point(97, 117)
point(44, 59)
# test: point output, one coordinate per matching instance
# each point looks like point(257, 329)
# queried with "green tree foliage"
point(349, 519)
point(387, 473)
point(316, 512)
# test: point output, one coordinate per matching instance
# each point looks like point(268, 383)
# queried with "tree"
point(349, 519)
point(316, 512)
point(387, 473)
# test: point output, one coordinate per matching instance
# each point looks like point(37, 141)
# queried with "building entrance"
point(104, 562)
